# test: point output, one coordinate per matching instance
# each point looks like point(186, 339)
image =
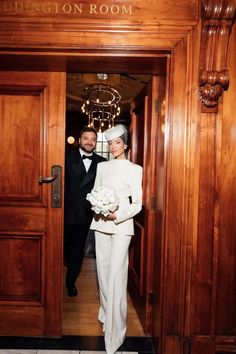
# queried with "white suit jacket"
point(125, 178)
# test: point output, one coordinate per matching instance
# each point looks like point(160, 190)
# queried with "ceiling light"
point(101, 104)
point(102, 76)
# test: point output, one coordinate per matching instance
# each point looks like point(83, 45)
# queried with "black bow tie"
point(87, 157)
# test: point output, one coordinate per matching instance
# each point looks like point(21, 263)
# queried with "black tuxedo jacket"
point(78, 183)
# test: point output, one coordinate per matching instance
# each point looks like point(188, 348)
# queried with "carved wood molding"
point(217, 19)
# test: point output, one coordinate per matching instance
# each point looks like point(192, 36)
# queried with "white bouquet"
point(103, 200)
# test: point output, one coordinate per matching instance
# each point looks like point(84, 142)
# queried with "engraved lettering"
point(56, 7)
point(19, 6)
point(7, 6)
point(115, 9)
point(104, 9)
point(93, 9)
point(126, 10)
point(66, 8)
point(59, 6)
point(78, 7)
point(35, 7)
point(46, 8)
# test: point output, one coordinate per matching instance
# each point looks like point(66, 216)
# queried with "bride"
point(113, 235)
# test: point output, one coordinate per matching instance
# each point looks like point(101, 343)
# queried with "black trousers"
point(74, 243)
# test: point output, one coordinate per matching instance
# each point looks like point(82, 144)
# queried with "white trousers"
point(112, 267)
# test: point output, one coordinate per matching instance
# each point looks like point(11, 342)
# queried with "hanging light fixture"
point(101, 104)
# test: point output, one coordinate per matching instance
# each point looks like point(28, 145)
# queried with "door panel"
point(21, 149)
point(145, 128)
point(32, 140)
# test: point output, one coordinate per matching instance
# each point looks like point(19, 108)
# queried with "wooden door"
point(32, 116)
point(146, 128)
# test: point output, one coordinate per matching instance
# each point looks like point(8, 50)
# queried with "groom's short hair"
point(88, 129)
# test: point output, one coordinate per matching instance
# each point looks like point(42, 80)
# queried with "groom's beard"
point(88, 148)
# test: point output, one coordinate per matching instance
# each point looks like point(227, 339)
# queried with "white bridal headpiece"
point(117, 131)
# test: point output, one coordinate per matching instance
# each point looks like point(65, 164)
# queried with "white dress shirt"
point(87, 162)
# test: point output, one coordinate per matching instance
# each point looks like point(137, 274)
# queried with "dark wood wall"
point(225, 211)
point(196, 302)
point(213, 280)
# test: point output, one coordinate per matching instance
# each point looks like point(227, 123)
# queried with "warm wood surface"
point(32, 122)
point(225, 240)
point(198, 264)
point(66, 27)
point(80, 313)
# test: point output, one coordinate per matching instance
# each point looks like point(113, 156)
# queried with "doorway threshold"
point(80, 343)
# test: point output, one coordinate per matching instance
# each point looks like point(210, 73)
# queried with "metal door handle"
point(56, 171)
point(48, 179)
point(56, 190)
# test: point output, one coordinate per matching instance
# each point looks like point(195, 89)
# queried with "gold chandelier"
point(101, 105)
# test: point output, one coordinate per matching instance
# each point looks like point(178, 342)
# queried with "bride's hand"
point(111, 216)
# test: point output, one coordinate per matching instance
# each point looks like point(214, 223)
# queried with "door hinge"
point(150, 297)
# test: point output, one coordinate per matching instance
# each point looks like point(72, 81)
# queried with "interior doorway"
point(80, 313)
point(137, 63)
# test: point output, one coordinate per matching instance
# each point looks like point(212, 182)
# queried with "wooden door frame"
point(147, 121)
point(180, 149)
point(180, 155)
point(176, 123)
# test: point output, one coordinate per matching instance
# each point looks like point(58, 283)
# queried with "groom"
point(80, 172)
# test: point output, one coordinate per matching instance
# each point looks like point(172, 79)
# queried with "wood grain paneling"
point(204, 252)
point(60, 27)
point(226, 203)
point(83, 61)
point(25, 321)
point(32, 123)
point(158, 214)
point(175, 192)
point(21, 268)
point(97, 10)
point(22, 129)
point(137, 257)
point(214, 262)
point(146, 127)
point(27, 219)
point(181, 198)
point(205, 346)
point(198, 263)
